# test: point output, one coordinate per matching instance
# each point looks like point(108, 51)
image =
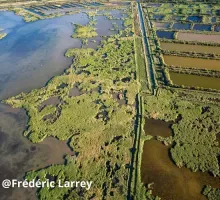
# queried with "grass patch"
point(87, 31)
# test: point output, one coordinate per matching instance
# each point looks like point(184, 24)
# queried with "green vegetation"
point(141, 65)
point(212, 193)
point(183, 10)
point(84, 31)
point(28, 16)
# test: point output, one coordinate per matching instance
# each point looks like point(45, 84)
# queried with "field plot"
point(198, 37)
point(189, 48)
point(192, 62)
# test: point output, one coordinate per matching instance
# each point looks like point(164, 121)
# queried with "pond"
point(194, 18)
point(159, 25)
point(165, 34)
point(156, 127)
point(169, 181)
point(181, 26)
point(195, 80)
point(158, 17)
point(217, 28)
point(202, 27)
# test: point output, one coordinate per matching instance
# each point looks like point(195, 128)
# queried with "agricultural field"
point(120, 99)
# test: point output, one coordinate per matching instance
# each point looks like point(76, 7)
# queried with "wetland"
point(33, 54)
point(78, 102)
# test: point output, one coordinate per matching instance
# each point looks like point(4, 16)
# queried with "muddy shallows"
point(19, 155)
point(169, 181)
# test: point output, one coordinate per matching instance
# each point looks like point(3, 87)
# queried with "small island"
point(2, 34)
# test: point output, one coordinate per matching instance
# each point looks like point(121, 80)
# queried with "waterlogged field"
point(195, 80)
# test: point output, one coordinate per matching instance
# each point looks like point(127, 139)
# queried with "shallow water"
point(19, 155)
point(171, 182)
point(33, 52)
point(30, 55)
point(180, 26)
point(195, 80)
point(165, 34)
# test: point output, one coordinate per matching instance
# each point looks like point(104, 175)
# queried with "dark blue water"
point(217, 28)
point(180, 26)
point(165, 34)
point(158, 17)
point(202, 27)
point(213, 19)
point(194, 18)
